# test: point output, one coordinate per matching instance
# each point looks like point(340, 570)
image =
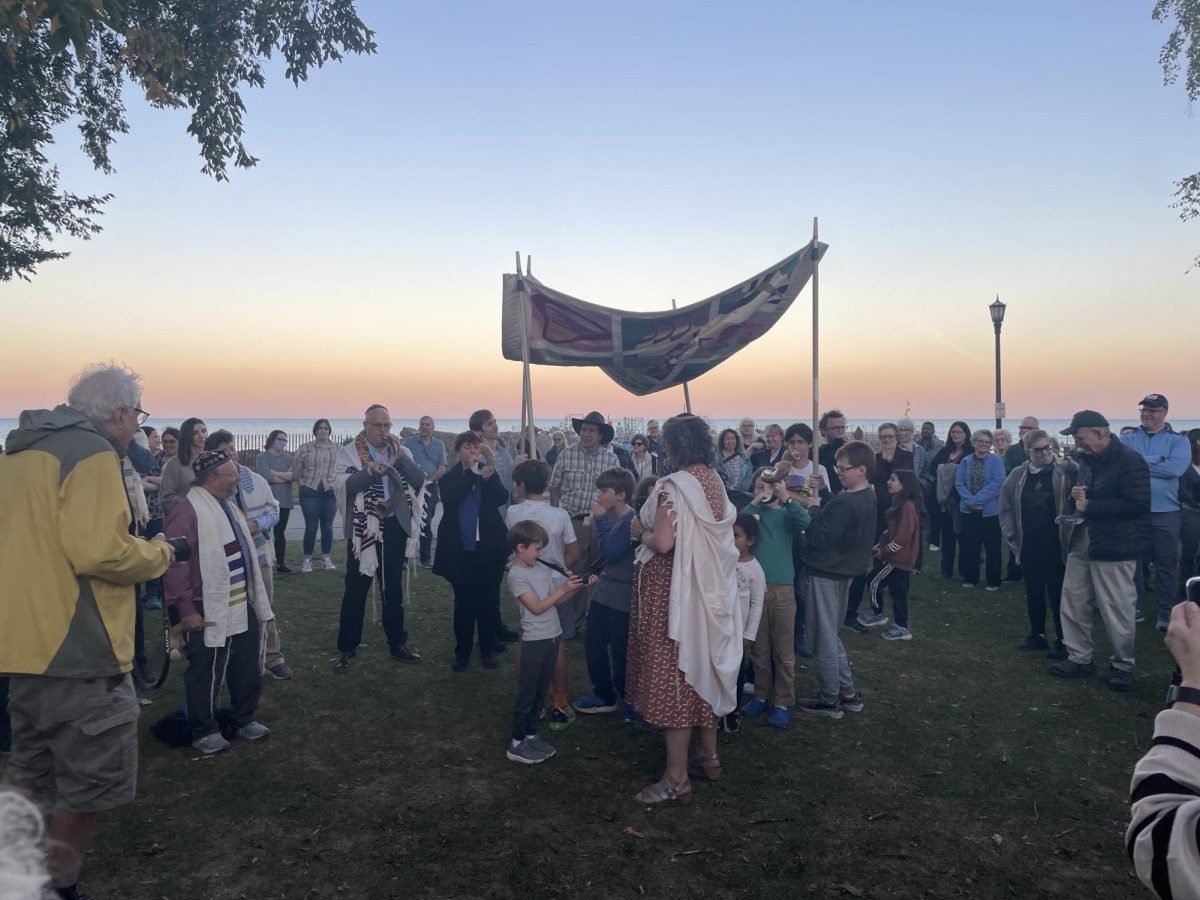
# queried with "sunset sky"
point(643, 152)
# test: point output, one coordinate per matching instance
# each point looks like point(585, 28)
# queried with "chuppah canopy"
point(645, 352)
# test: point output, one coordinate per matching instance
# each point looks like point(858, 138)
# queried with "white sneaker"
point(306, 566)
point(255, 731)
point(210, 744)
point(329, 566)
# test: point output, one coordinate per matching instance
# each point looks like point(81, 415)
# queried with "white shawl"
point(222, 620)
point(704, 616)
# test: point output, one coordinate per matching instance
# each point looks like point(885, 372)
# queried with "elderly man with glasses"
point(1029, 503)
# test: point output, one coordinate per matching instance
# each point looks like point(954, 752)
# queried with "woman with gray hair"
point(685, 623)
point(1029, 506)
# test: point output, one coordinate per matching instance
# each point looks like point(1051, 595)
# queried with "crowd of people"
point(696, 567)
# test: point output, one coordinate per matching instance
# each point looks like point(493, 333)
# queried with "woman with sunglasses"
point(1029, 506)
point(645, 462)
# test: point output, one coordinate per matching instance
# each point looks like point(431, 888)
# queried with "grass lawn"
point(971, 773)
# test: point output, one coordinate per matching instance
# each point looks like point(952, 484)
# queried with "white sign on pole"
point(999, 410)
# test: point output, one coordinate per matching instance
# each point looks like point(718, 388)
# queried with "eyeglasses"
point(142, 415)
point(1045, 448)
point(846, 468)
point(639, 444)
point(887, 437)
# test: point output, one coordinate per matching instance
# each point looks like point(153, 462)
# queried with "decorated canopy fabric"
point(645, 352)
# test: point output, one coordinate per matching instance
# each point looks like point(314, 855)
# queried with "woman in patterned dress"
point(684, 650)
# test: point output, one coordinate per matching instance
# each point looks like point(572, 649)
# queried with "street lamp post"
point(997, 311)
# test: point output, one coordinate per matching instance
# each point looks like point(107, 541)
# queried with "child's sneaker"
point(591, 705)
point(731, 723)
point(542, 745)
point(754, 708)
point(780, 717)
point(526, 752)
point(873, 620)
point(559, 720)
point(306, 566)
point(629, 714)
point(851, 704)
point(817, 708)
point(328, 566)
point(896, 633)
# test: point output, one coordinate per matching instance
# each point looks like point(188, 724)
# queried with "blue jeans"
point(607, 632)
point(319, 508)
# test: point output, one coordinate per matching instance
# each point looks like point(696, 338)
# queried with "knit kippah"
point(209, 460)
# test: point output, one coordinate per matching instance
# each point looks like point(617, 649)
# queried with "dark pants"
point(5, 724)
point(896, 581)
point(140, 660)
point(319, 508)
point(1043, 576)
point(537, 665)
point(607, 633)
point(1164, 553)
point(354, 596)
point(935, 513)
point(798, 590)
point(980, 530)
point(476, 605)
point(280, 535)
point(236, 664)
point(431, 501)
point(1189, 542)
point(943, 522)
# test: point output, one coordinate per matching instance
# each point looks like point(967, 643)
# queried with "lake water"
point(299, 429)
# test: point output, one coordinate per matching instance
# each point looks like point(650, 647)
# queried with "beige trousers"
point(774, 652)
point(1108, 586)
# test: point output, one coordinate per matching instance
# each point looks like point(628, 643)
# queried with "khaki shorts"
point(74, 739)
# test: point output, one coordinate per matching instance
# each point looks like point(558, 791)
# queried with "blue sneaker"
point(592, 704)
point(802, 649)
point(873, 620)
point(629, 714)
point(780, 717)
point(754, 708)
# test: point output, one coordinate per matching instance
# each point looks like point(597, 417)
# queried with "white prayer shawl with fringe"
point(222, 619)
point(704, 617)
point(366, 526)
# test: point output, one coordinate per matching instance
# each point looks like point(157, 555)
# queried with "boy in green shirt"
point(780, 519)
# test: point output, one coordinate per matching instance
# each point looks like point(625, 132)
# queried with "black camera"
point(1193, 589)
point(183, 550)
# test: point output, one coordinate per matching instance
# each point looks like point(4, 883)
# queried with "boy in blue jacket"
point(608, 615)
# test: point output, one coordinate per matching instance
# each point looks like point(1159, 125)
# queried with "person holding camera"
point(1162, 835)
point(68, 566)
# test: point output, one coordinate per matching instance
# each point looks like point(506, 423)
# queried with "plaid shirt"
point(315, 465)
point(574, 477)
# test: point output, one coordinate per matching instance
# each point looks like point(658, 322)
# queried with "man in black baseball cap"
point(1168, 455)
point(1107, 509)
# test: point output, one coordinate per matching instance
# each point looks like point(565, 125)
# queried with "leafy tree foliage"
point(1182, 52)
point(68, 60)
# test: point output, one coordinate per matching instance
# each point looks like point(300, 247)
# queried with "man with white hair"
point(68, 566)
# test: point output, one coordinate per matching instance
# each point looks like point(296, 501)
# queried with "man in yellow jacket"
point(67, 569)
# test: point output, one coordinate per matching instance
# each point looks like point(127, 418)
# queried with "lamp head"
point(997, 311)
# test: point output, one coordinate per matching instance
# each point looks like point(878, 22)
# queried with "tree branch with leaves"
point(70, 59)
point(1181, 52)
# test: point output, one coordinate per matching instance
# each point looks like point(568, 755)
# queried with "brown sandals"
point(663, 793)
point(706, 767)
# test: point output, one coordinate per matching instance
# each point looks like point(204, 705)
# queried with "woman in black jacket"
point(472, 548)
point(944, 505)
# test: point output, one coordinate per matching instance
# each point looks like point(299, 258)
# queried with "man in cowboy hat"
point(573, 481)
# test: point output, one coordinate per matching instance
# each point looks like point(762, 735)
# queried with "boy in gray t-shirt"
point(538, 590)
